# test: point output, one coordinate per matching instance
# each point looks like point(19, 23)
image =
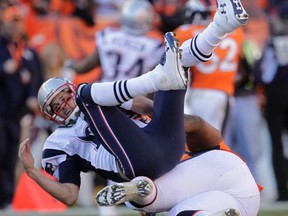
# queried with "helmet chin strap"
point(73, 117)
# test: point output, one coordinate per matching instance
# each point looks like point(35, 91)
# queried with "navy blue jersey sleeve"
point(69, 172)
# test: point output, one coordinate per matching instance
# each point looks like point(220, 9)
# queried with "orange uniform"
point(219, 72)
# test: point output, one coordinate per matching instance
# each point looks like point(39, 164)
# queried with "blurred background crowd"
point(40, 39)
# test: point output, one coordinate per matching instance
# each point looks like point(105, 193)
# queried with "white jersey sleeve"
point(83, 151)
point(71, 150)
point(124, 56)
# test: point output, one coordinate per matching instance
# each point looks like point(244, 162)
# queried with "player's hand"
point(26, 156)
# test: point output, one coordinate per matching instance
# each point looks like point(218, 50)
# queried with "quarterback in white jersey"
point(95, 135)
point(77, 144)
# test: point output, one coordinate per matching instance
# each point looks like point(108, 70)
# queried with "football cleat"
point(169, 74)
point(226, 212)
point(122, 192)
point(230, 15)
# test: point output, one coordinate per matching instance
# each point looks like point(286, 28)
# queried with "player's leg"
point(216, 203)
point(210, 203)
point(217, 101)
point(230, 15)
point(159, 145)
point(207, 172)
point(167, 75)
point(141, 190)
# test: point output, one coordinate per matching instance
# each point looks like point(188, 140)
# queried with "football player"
point(212, 83)
point(128, 51)
point(102, 138)
point(210, 180)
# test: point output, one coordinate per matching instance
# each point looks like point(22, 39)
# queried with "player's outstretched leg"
point(121, 192)
point(226, 212)
point(230, 15)
point(169, 73)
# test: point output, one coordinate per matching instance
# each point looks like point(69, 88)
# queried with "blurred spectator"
point(68, 24)
point(246, 130)
point(245, 123)
point(20, 78)
point(257, 30)
point(273, 68)
point(212, 83)
point(276, 3)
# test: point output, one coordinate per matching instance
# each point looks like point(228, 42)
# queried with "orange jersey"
point(156, 33)
point(219, 72)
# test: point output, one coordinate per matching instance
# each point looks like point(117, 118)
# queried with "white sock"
point(199, 48)
point(209, 39)
point(115, 93)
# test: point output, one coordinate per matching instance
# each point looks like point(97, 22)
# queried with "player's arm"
point(200, 135)
point(142, 105)
point(65, 192)
point(86, 64)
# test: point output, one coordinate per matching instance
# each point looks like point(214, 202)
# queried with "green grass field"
point(281, 210)
point(274, 213)
point(267, 209)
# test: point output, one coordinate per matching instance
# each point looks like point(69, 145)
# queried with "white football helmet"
point(198, 12)
point(137, 17)
point(48, 91)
